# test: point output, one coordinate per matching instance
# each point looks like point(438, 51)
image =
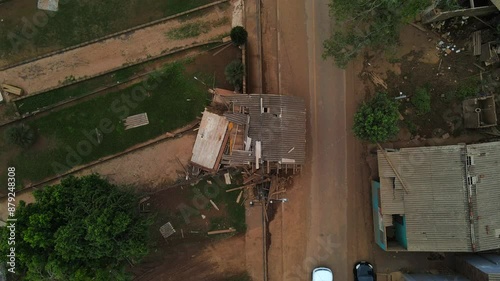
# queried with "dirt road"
point(327, 221)
point(115, 52)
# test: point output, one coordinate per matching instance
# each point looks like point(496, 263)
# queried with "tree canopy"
point(235, 72)
point(238, 35)
point(81, 229)
point(377, 120)
point(366, 23)
point(22, 135)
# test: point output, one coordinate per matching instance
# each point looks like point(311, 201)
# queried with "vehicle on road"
point(363, 271)
point(322, 274)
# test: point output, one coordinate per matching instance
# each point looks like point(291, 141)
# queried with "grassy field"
point(235, 212)
point(30, 32)
point(49, 98)
point(53, 97)
point(68, 138)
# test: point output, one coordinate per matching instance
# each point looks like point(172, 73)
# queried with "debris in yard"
point(135, 121)
point(476, 42)
point(227, 178)
point(377, 80)
point(229, 230)
point(215, 206)
point(239, 197)
point(209, 181)
point(167, 230)
point(203, 216)
point(48, 5)
point(489, 53)
point(10, 89)
point(239, 188)
point(418, 26)
point(445, 136)
point(400, 97)
point(144, 205)
point(248, 185)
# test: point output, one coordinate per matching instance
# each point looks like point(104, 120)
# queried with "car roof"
point(322, 274)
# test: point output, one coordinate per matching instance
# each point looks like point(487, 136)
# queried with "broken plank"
point(238, 188)
point(419, 27)
point(229, 230)
point(215, 206)
point(248, 185)
point(239, 197)
point(227, 178)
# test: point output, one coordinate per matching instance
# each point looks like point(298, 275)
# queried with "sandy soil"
point(148, 168)
point(112, 53)
point(197, 261)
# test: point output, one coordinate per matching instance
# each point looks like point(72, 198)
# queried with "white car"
point(322, 274)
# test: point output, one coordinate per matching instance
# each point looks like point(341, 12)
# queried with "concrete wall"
point(378, 224)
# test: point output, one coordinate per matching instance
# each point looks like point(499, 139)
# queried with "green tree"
point(81, 229)
point(22, 135)
point(238, 35)
point(234, 73)
point(361, 24)
point(422, 100)
point(377, 120)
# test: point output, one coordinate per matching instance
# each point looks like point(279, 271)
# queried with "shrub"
point(468, 88)
point(234, 73)
point(377, 119)
point(21, 135)
point(422, 100)
point(239, 35)
point(361, 24)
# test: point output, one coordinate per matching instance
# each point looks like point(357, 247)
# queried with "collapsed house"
point(438, 199)
point(257, 131)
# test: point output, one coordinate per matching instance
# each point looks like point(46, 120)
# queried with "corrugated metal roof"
point(437, 210)
point(486, 194)
point(436, 205)
point(209, 140)
point(496, 3)
point(485, 264)
point(281, 127)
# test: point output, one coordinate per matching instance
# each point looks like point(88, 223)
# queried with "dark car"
point(363, 271)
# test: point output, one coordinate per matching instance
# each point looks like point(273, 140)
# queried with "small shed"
point(479, 112)
point(211, 138)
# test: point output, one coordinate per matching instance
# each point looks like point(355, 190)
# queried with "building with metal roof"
point(258, 131)
point(212, 135)
point(440, 198)
point(483, 267)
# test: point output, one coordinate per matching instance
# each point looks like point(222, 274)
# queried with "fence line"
point(135, 28)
